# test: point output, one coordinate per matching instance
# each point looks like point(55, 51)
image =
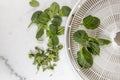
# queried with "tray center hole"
point(117, 38)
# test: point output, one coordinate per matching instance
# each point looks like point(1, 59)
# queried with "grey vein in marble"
point(11, 69)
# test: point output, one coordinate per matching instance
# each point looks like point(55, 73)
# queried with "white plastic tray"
point(107, 65)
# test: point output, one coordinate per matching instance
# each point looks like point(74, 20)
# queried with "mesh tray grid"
point(107, 65)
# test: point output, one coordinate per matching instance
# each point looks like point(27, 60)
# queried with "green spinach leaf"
point(91, 22)
point(43, 18)
point(39, 34)
point(65, 11)
point(48, 33)
point(42, 26)
point(61, 30)
point(49, 44)
point(91, 39)
point(53, 29)
point(103, 42)
point(54, 9)
point(84, 58)
point(93, 47)
point(35, 17)
point(57, 20)
point(80, 36)
point(55, 40)
point(34, 3)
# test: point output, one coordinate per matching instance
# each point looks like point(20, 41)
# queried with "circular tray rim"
point(75, 66)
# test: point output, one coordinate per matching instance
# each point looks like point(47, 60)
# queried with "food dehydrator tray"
point(106, 66)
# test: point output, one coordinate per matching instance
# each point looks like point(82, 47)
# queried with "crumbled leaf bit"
point(60, 46)
point(45, 60)
point(34, 3)
point(91, 22)
point(49, 22)
point(90, 45)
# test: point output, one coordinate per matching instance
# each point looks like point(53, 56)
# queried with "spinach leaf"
point(42, 26)
point(49, 44)
point(54, 9)
point(34, 3)
point(84, 58)
point(39, 34)
point(55, 40)
point(103, 42)
point(57, 20)
point(53, 29)
point(80, 36)
point(48, 33)
point(93, 47)
point(91, 39)
point(65, 11)
point(91, 22)
point(61, 30)
point(43, 18)
point(35, 17)
point(49, 12)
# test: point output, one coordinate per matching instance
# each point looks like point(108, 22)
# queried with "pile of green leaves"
point(48, 23)
point(90, 45)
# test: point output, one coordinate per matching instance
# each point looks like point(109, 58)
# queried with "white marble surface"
point(16, 41)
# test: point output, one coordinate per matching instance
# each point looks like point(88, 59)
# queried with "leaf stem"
point(30, 24)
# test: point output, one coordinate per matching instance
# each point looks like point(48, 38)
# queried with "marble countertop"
point(16, 41)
